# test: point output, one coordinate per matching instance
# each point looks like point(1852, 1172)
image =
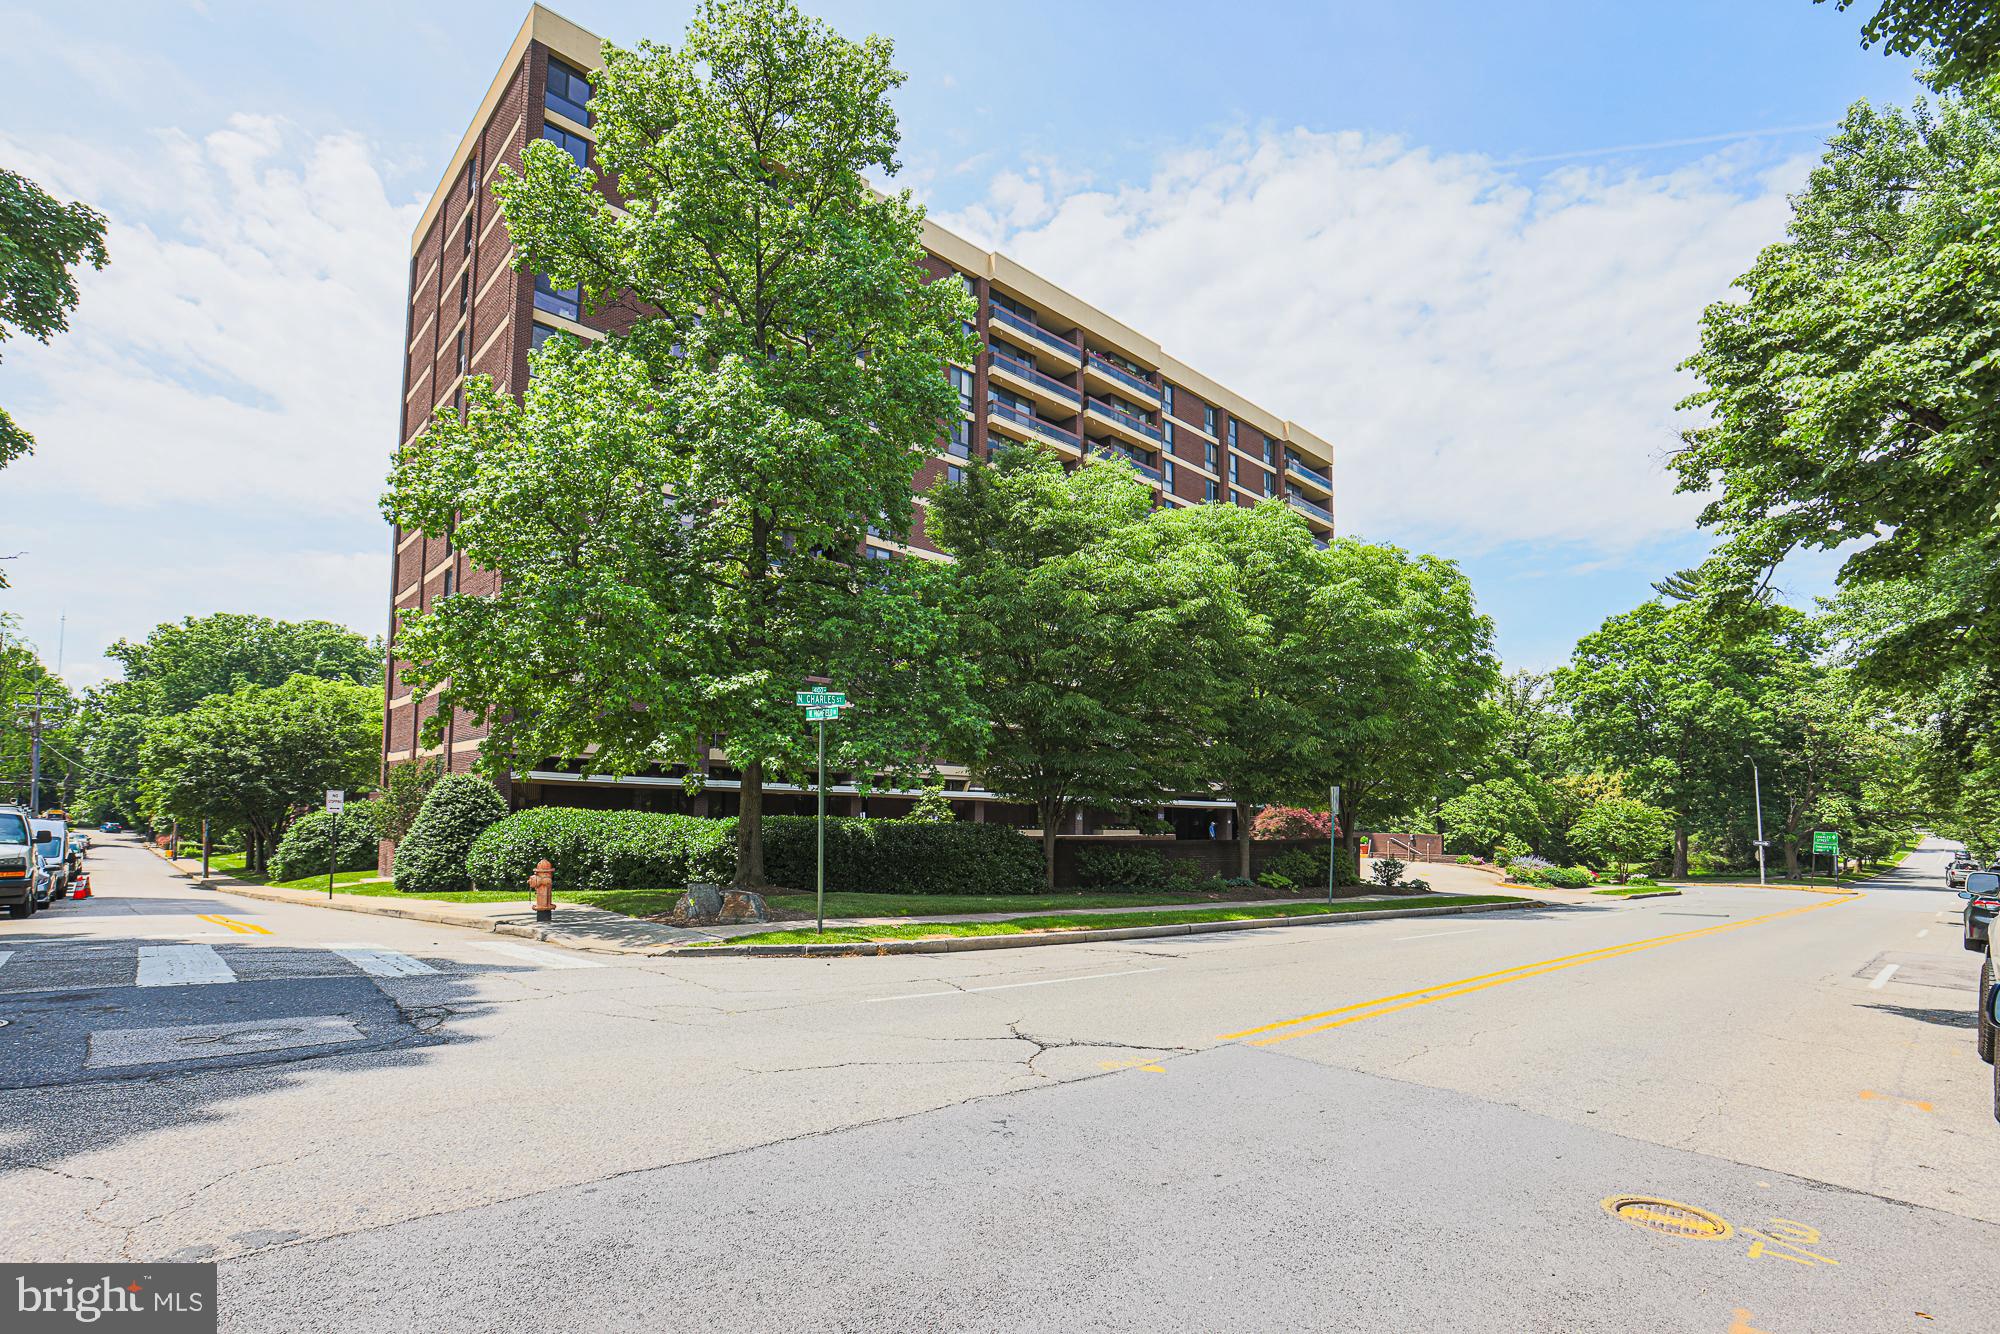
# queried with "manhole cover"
point(1670, 1217)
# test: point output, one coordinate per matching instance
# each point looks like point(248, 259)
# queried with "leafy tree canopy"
point(41, 240)
point(1962, 37)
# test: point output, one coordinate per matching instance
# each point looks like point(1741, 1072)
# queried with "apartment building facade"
point(1056, 371)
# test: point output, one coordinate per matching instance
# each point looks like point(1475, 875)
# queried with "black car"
point(1982, 902)
point(1989, 1017)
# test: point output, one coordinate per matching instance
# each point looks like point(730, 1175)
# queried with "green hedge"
point(1104, 868)
point(598, 850)
point(431, 857)
point(1307, 866)
point(304, 848)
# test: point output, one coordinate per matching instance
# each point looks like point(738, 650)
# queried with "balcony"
point(1042, 388)
point(1121, 380)
point(1043, 340)
point(1028, 426)
point(1143, 468)
point(1299, 468)
point(1118, 418)
point(1311, 509)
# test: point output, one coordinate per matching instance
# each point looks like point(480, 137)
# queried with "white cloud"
point(244, 338)
point(1491, 354)
point(213, 431)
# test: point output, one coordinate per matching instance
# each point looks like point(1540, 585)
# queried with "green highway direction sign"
point(829, 714)
point(1825, 840)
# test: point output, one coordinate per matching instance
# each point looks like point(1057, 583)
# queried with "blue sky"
point(1466, 242)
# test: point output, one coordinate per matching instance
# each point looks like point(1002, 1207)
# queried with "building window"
point(466, 248)
point(1167, 396)
point(465, 291)
point(472, 177)
point(575, 145)
point(960, 444)
point(878, 553)
point(568, 93)
point(1208, 419)
point(539, 334)
point(1232, 433)
point(1167, 473)
point(1208, 456)
point(450, 581)
point(564, 301)
point(961, 380)
point(1267, 451)
point(1167, 432)
point(463, 334)
point(1270, 484)
point(954, 475)
point(1207, 489)
point(1232, 468)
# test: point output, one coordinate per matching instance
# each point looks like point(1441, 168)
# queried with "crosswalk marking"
point(181, 966)
point(540, 958)
point(380, 962)
point(4, 956)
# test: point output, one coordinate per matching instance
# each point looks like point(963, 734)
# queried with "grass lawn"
point(1071, 922)
point(943, 905)
point(1622, 891)
point(343, 881)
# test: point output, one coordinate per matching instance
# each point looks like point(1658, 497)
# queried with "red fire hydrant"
point(543, 883)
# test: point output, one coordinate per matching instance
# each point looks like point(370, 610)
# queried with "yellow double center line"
point(240, 928)
point(1465, 986)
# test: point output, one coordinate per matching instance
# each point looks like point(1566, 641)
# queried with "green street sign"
point(819, 699)
point(1826, 840)
point(829, 714)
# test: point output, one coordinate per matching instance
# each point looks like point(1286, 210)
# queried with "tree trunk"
point(1243, 818)
point(1051, 814)
point(750, 829)
point(1680, 868)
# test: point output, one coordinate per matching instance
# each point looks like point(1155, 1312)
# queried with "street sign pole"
point(819, 879)
point(1333, 838)
point(334, 801)
point(1757, 794)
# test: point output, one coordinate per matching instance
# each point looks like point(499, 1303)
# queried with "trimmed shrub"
point(600, 850)
point(304, 848)
point(431, 857)
point(1113, 868)
point(1307, 866)
point(901, 856)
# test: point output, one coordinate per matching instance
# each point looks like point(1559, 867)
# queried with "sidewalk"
point(598, 931)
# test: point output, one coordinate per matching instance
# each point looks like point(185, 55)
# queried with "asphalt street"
point(381, 1124)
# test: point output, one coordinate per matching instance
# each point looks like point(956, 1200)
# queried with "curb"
point(1028, 940)
point(242, 889)
point(1656, 894)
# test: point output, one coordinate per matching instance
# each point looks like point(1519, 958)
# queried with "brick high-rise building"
point(1057, 371)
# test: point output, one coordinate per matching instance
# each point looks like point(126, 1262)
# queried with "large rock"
point(707, 905)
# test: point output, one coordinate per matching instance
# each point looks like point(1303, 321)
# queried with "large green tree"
point(1961, 37)
point(676, 512)
point(1850, 397)
point(41, 241)
point(254, 757)
point(182, 663)
point(1413, 689)
point(1664, 697)
point(1093, 632)
point(1273, 678)
point(23, 678)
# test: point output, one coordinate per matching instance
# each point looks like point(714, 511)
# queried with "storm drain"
point(1669, 1217)
point(200, 1042)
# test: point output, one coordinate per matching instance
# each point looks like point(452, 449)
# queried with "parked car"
point(1989, 1018)
point(1961, 866)
point(111, 827)
point(1982, 902)
point(20, 867)
point(53, 853)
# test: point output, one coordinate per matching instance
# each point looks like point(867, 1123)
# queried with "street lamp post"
point(1757, 795)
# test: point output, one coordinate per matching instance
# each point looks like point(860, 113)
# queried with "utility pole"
point(1757, 795)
